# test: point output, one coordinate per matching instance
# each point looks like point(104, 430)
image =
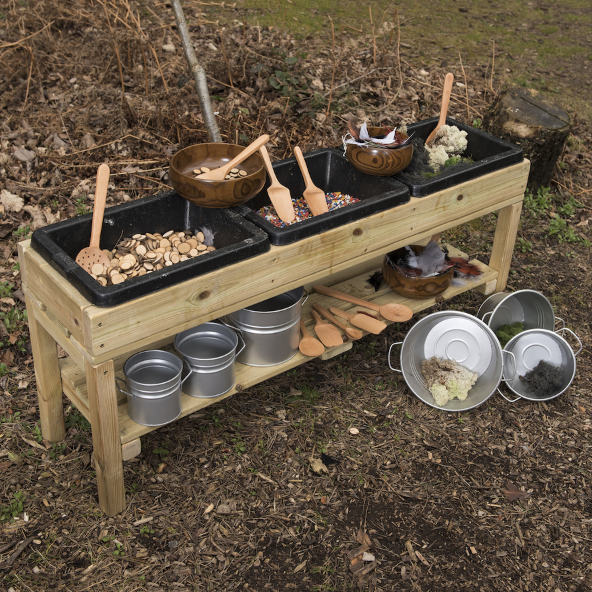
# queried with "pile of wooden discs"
point(145, 253)
point(233, 174)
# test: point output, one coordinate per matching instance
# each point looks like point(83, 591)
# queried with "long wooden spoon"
point(221, 172)
point(309, 346)
point(278, 194)
point(444, 108)
point(353, 333)
point(315, 197)
point(360, 320)
point(328, 334)
point(393, 312)
point(93, 255)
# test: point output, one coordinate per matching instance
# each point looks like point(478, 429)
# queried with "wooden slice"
point(184, 248)
point(200, 237)
point(118, 279)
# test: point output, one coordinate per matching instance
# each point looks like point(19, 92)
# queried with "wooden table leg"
point(508, 220)
point(49, 379)
point(102, 399)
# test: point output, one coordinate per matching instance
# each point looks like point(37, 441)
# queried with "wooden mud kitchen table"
point(99, 340)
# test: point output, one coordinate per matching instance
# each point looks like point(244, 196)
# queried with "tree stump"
point(538, 126)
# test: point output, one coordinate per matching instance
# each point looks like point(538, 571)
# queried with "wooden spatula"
point(309, 346)
point(221, 172)
point(315, 197)
point(392, 311)
point(278, 194)
point(93, 255)
point(328, 334)
point(444, 108)
point(350, 331)
point(362, 321)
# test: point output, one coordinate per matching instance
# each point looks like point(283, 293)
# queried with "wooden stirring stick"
point(444, 108)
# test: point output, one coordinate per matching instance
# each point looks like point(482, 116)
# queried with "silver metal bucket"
point(457, 336)
point(525, 306)
point(270, 329)
point(154, 379)
point(530, 347)
point(210, 351)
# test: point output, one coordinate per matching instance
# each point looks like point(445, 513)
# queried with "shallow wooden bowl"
point(215, 194)
point(382, 162)
point(415, 288)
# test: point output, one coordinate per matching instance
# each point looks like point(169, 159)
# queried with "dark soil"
point(497, 498)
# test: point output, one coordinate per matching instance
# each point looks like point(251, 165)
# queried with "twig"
point(334, 65)
point(145, 66)
point(28, 79)
point(466, 85)
point(25, 38)
point(399, 46)
point(8, 563)
point(373, 37)
point(225, 57)
point(492, 65)
point(115, 48)
point(358, 78)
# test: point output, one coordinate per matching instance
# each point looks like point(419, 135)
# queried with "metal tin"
point(525, 306)
point(270, 329)
point(464, 339)
point(530, 347)
point(210, 351)
point(154, 379)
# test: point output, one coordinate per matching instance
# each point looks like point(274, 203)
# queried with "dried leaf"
point(33, 444)
point(223, 509)
point(354, 431)
point(316, 464)
point(23, 384)
point(23, 154)
point(7, 358)
point(301, 566)
point(513, 493)
point(209, 509)
point(11, 202)
point(5, 229)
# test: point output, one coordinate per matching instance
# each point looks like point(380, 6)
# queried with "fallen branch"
point(8, 563)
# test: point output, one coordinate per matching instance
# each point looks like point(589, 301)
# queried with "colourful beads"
point(335, 201)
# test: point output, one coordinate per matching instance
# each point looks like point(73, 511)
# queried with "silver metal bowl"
point(525, 306)
point(457, 336)
point(530, 347)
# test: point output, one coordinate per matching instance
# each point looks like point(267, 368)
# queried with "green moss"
point(506, 332)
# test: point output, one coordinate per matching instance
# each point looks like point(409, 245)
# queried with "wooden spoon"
point(328, 334)
point(278, 194)
point(353, 333)
point(309, 346)
point(444, 108)
point(315, 197)
point(221, 172)
point(93, 255)
point(361, 320)
point(393, 312)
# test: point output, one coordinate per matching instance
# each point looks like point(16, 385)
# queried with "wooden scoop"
point(353, 333)
point(278, 194)
point(328, 334)
point(393, 312)
point(221, 172)
point(309, 346)
point(444, 108)
point(93, 255)
point(315, 197)
point(360, 320)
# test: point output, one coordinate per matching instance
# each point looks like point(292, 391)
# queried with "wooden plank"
point(100, 381)
point(143, 320)
point(61, 298)
point(49, 380)
point(508, 221)
point(42, 317)
point(21, 256)
point(131, 449)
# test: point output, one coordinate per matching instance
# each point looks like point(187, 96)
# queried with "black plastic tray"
point(489, 153)
point(235, 239)
point(331, 172)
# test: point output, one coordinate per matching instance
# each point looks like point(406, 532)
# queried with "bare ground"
point(227, 497)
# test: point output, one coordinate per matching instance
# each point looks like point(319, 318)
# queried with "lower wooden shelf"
point(74, 381)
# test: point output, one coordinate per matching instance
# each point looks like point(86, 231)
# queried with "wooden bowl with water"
point(382, 162)
point(215, 194)
point(417, 288)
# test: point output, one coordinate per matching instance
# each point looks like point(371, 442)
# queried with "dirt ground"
point(497, 498)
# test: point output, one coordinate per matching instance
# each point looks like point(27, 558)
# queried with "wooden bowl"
point(382, 162)
point(416, 288)
point(215, 194)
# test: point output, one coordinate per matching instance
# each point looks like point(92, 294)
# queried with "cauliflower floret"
point(440, 394)
point(438, 156)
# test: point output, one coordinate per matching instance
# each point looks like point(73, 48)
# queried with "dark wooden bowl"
point(415, 288)
point(382, 162)
point(215, 194)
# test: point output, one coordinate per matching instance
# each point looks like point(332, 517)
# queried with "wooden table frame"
point(99, 340)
